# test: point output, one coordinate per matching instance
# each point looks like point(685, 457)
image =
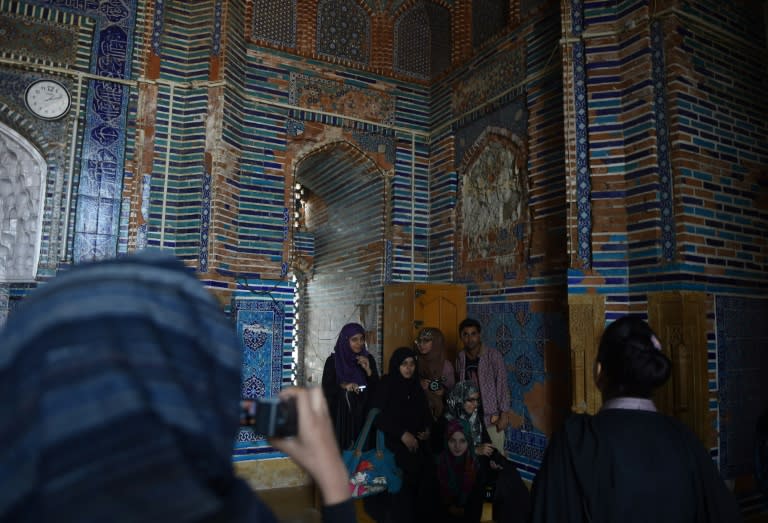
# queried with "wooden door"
point(441, 306)
point(410, 306)
point(679, 319)
point(586, 318)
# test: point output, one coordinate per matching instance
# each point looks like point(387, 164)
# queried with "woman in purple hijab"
point(349, 377)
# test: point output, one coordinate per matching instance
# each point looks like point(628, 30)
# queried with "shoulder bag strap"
point(363, 436)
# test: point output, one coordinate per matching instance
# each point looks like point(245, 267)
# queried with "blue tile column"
point(583, 183)
point(97, 215)
point(668, 243)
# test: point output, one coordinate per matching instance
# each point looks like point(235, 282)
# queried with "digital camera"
point(435, 384)
point(270, 417)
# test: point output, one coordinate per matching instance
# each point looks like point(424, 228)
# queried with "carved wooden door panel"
point(410, 306)
point(679, 319)
point(586, 319)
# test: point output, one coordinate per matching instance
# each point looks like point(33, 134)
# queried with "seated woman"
point(405, 420)
point(629, 462)
point(349, 380)
point(511, 499)
point(436, 373)
point(458, 473)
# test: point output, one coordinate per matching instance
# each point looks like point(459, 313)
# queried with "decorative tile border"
point(205, 221)
point(260, 327)
point(583, 183)
point(157, 25)
point(668, 244)
point(217, 15)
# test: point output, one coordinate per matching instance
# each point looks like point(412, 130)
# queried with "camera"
point(270, 417)
point(435, 384)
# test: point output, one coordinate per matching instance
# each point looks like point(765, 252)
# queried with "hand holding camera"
point(314, 447)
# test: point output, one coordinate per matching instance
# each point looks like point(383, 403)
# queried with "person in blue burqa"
point(120, 387)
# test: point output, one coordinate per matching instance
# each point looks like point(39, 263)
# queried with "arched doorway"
point(339, 251)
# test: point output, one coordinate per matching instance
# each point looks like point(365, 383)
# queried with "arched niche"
point(338, 252)
point(22, 193)
point(493, 214)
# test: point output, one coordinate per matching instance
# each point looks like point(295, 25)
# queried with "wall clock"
point(47, 99)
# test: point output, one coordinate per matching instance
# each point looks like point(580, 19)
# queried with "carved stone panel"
point(22, 189)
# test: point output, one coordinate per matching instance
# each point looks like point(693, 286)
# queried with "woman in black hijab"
point(405, 419)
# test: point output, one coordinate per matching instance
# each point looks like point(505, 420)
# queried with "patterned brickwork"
point(718, 125)
point(489, 18)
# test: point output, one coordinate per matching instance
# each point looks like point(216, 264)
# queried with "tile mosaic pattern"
point(343, 31)
point(668, 243)
point(340, 98)
point(742, 339)
point(521, 335)
point(489, 80)
point(38, 38)
point(205, 222)
point(261, 328)
point(583, 182)
point(274, 21)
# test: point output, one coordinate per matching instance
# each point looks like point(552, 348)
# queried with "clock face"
point(47, 99)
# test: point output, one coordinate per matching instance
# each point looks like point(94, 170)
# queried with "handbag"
point(372, 471)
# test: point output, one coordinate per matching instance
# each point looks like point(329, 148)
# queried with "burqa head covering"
point(345, 361)
point(397, 358)
point(120, 383)
point(457, 474)
point(459, 394)
point(431, 364)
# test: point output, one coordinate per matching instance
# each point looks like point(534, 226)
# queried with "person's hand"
point(365, 363)
point(423, 436)
point(314, 448)
point(484, 449)
point(424, 383)
point(351, 387)
point(504, 421)
point(410, 441)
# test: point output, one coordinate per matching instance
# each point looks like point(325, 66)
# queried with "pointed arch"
point(338, 250)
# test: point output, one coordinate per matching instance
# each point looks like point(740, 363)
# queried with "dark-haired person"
point(349, 380)
point(405, 420)
point(435, 372)
point(628, 462)
point(485, 367)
